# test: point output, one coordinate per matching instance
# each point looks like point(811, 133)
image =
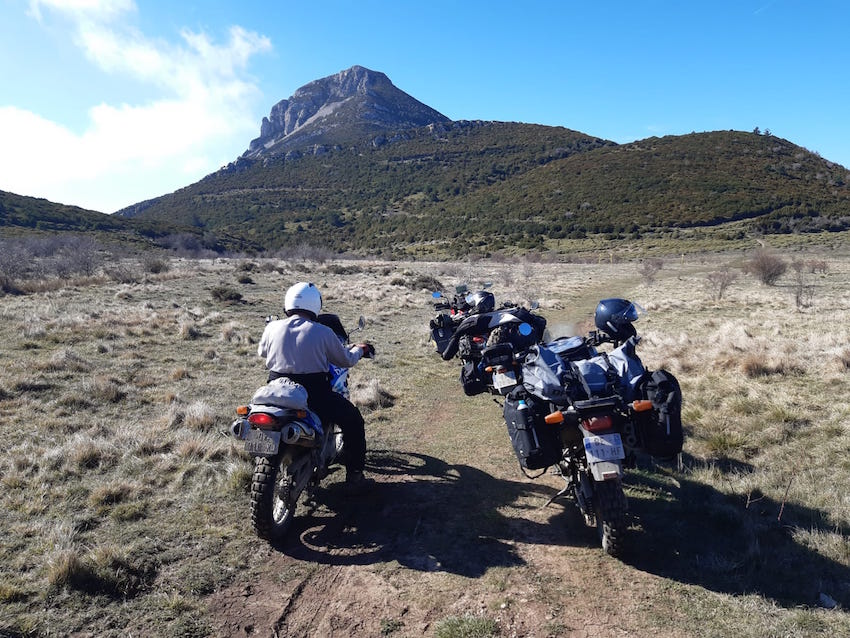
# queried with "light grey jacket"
point(297, 345)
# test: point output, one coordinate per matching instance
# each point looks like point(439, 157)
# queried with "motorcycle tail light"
point(242, 410)
point(641, 405)
point(598, 423)
point(555, 418)
point(262, 420)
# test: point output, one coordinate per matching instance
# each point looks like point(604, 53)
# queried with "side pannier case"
point(660, 429)
point(442, 330)
point(536, 443)
point(472, 379)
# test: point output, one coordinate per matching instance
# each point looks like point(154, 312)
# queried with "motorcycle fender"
point(606, 470)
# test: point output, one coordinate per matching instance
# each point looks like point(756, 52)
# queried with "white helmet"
point(303, 296)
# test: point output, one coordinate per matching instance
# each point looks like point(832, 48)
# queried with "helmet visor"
point(633, 312)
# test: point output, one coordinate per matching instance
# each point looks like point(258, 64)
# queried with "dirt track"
point(416, 551)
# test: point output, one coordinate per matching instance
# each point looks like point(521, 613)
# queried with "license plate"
point(262, 442)
point(504, 379)
point(604, 447)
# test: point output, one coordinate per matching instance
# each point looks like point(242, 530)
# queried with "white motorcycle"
point(292, 449)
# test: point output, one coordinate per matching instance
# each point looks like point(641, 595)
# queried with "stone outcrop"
point(353, 105)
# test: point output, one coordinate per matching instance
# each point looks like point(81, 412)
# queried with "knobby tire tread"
point(611, 516)
point(262, 500)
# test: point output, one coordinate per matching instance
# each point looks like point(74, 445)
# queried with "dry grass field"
point(124, 505)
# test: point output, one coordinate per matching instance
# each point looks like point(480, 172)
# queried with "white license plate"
point(262, 442)
point(605, 447)
point(504, 379)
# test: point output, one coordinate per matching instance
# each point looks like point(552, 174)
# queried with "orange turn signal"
point(555, 418)
point(641, 405)
point(242, 410)
point(301, 414)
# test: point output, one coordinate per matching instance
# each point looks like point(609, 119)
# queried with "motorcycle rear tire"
point(272, 502)
point(610, 510)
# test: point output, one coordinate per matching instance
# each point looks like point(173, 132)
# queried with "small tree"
point(803, 292)
point(720, 280)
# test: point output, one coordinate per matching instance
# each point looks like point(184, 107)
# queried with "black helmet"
point(614, 317)
point(481, 301)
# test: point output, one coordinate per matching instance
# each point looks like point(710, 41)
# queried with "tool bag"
point(472, 379)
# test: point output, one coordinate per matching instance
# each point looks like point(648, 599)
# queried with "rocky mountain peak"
point(350, 105)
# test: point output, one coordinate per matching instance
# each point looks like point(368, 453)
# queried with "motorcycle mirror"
point(487, 284)
point(436, 294)
point(461, 289)
point(535, 305)
point(361, 323)
point(524, 329)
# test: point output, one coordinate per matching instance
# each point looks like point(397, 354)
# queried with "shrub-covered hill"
point(21, 216)
point(487, 185)
point(368, 197)
point(701, 179)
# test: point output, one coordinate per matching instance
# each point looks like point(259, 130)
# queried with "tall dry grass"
point(124, 503)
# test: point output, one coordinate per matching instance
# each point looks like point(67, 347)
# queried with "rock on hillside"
point(351, 105)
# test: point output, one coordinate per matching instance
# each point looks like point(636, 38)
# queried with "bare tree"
point(649, 269)
point(803, 292)
point(720, 280)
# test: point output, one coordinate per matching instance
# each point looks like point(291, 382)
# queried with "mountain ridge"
point(357, 99)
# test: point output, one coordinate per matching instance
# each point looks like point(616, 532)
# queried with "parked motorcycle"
point(491, 332)
point(292, 449)
point(588, 414)
point(453, 310)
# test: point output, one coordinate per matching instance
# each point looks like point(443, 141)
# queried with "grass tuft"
point(466, 627)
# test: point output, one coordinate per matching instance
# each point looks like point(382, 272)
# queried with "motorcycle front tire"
point(272, 501)
point(610, 511)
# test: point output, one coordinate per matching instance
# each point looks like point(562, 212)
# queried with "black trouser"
point(334, 408)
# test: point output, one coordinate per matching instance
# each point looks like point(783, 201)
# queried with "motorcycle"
point(459, 306)
point(587, 414)
point(292, 449)
point(490, 333)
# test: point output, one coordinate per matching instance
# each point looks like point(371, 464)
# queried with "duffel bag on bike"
point(660, 429)
point(536, 443)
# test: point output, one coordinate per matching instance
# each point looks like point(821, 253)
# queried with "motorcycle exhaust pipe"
point(239, 428)
point(297, 434)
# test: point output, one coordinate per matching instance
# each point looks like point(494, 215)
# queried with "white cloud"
point(128, 152)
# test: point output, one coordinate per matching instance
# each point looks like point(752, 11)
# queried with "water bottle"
point(525, 422)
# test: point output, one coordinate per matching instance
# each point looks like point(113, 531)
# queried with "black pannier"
point(471, 379)
point(660, 429)
point(536, 443)
point(442, 330)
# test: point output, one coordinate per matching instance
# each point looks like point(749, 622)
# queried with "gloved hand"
point(368, 350)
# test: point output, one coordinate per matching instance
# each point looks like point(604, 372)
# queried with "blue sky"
point(104, 103)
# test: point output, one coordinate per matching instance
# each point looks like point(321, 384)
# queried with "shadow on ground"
point(731, 544)
point(428, 515)
point(431, 516)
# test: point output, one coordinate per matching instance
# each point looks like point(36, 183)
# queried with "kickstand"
point(567, 488)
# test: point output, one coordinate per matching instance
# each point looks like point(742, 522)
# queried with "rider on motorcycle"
point(301, 349)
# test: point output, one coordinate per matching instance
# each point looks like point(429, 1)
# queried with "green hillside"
point(28, 216)
point(494, 186)
point(484, 187)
